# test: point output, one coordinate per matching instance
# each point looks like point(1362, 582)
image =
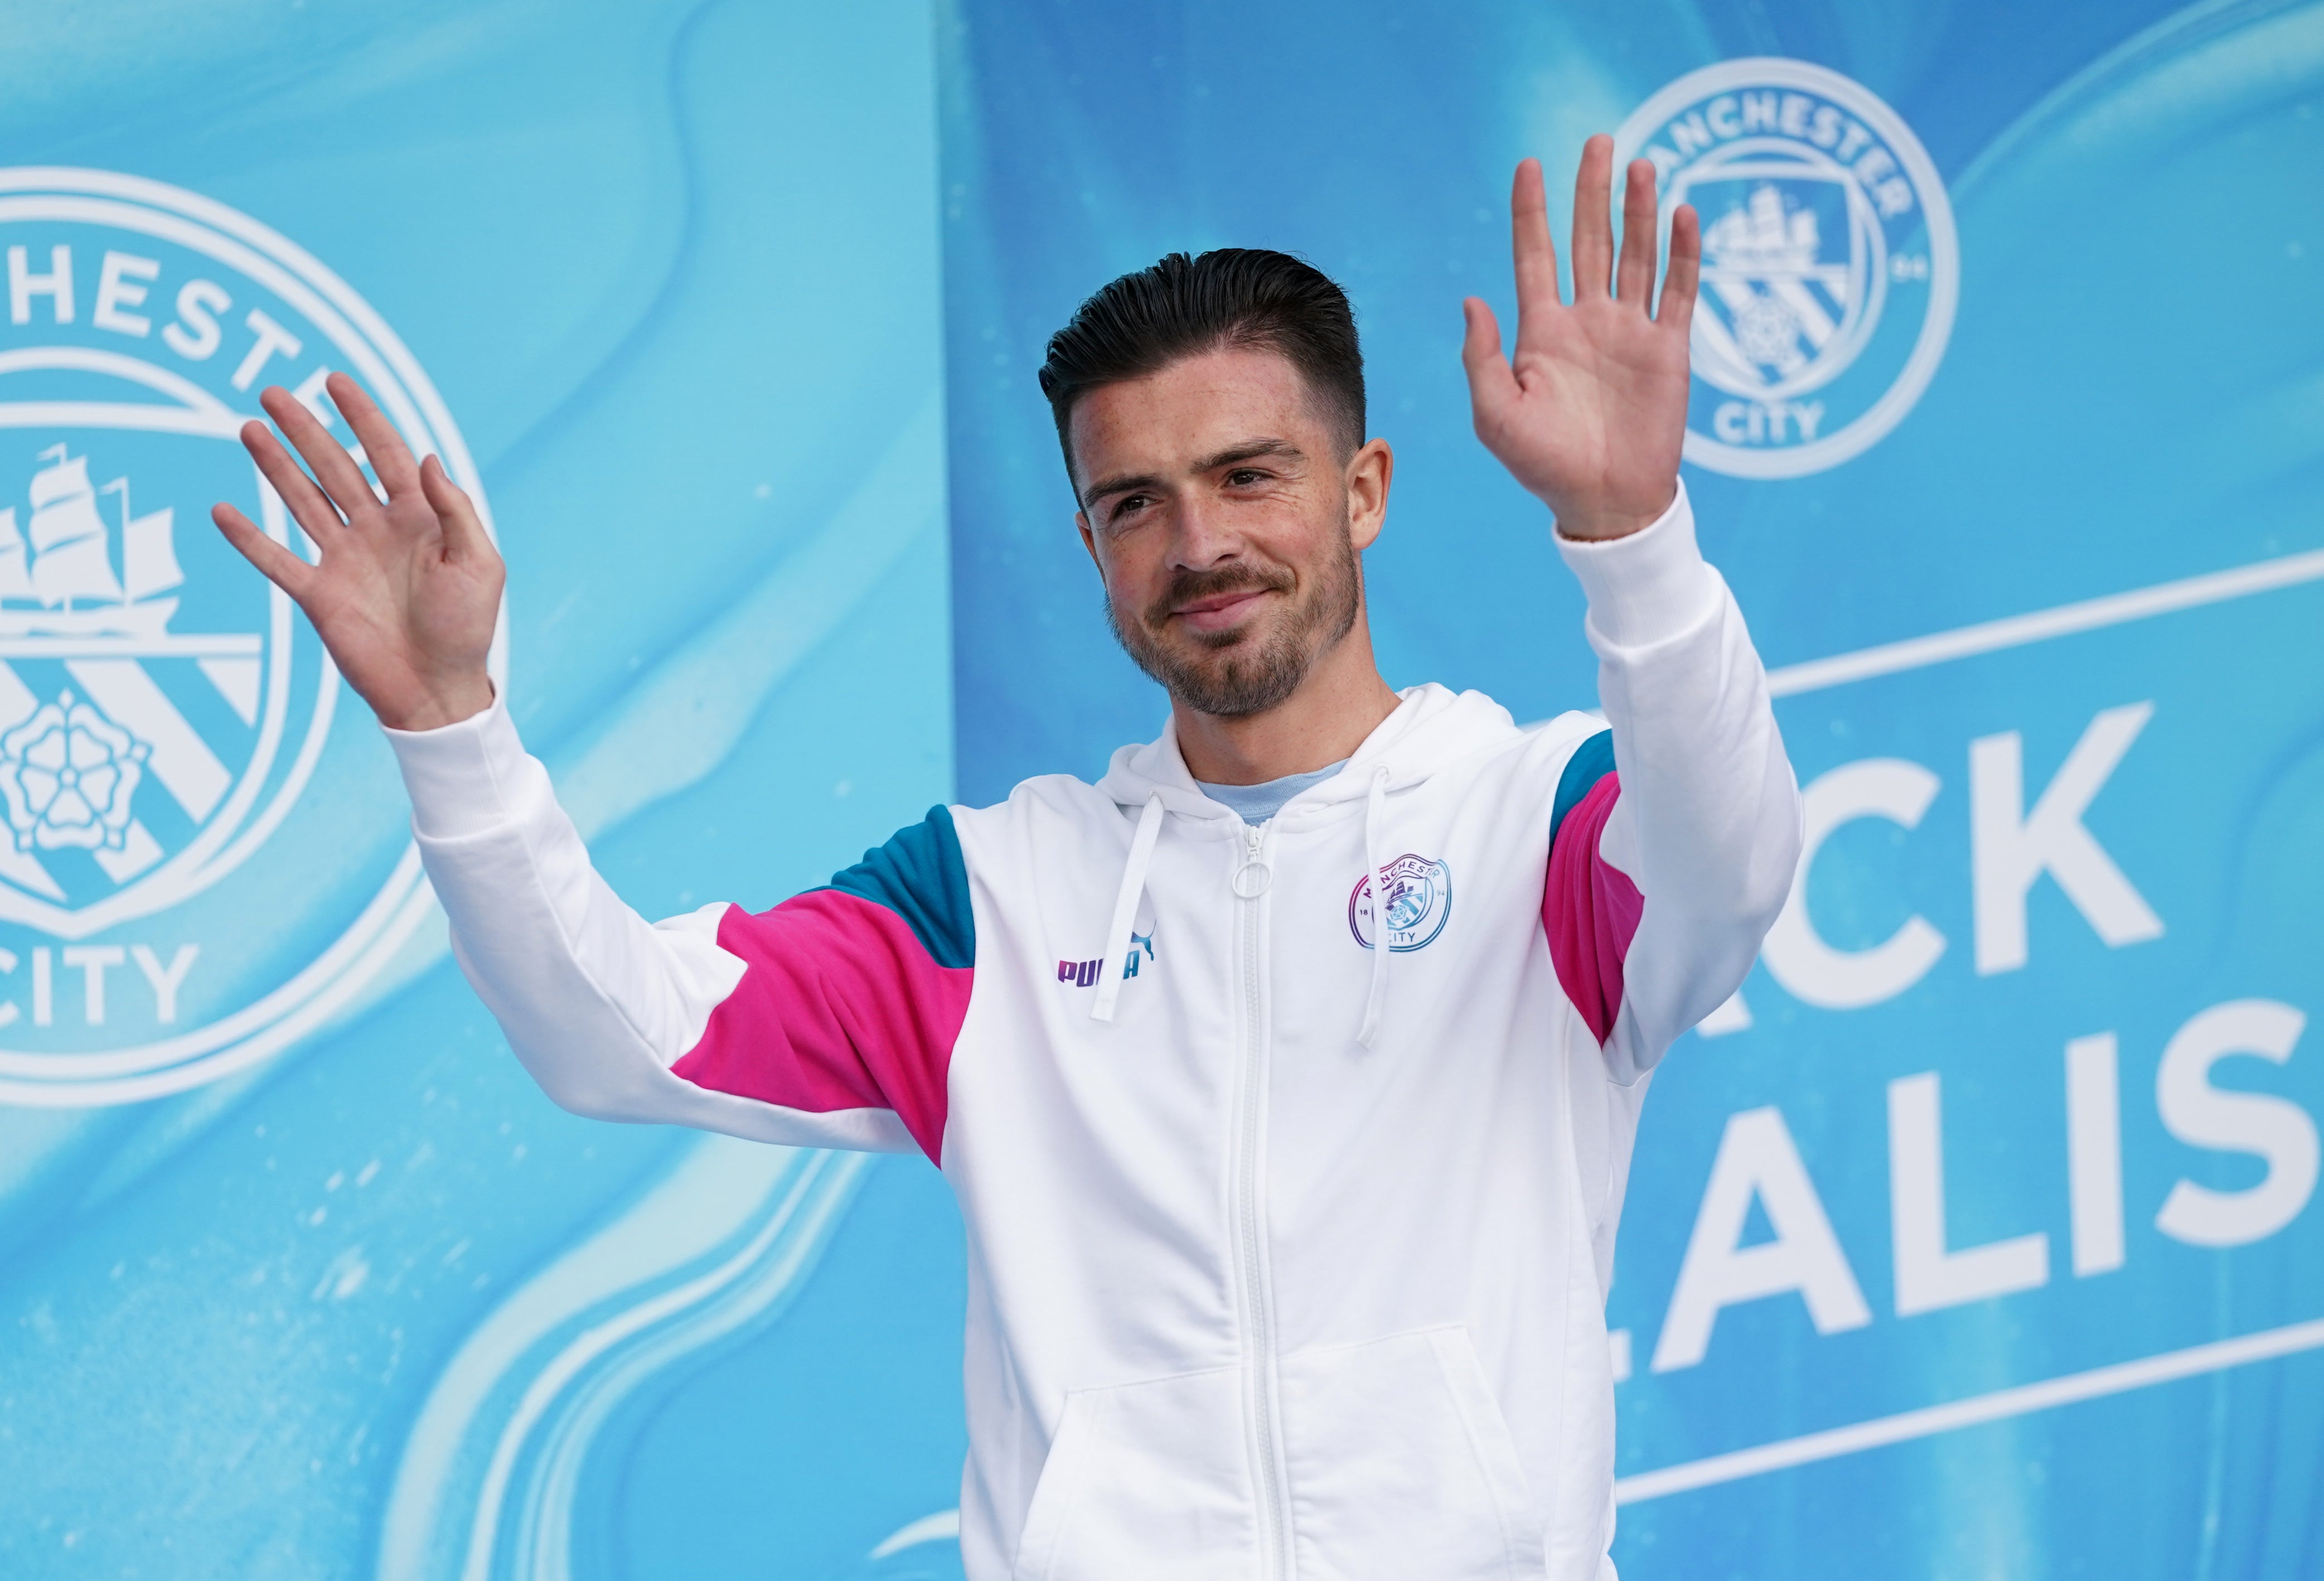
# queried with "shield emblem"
point(1795, 267)
point(1410, 897)
point(146, 685)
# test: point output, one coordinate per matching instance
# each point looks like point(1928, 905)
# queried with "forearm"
point(778, 1026)
point(1707, 823)
point(596, 1002)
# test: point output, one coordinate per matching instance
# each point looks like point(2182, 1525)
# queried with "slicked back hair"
point(1182, 307)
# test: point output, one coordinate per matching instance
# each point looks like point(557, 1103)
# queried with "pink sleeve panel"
point(1590, 909)
point(840, 1007)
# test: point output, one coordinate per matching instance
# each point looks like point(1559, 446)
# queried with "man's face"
point(1226, 521)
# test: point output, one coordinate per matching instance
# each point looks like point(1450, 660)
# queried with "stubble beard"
point(1235, 674)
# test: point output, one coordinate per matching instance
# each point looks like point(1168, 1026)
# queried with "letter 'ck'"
point(2011, 847)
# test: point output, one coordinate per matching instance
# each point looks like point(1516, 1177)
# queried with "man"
point(1287, 1076)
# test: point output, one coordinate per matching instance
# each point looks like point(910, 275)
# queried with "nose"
point(1205, 535)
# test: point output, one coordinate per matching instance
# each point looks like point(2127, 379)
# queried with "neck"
point(1342, 700)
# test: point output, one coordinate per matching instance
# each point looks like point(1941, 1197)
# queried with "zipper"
point(1252, 880)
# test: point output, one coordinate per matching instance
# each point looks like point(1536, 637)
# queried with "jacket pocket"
point(1145, 1480)
point(1401, 1465)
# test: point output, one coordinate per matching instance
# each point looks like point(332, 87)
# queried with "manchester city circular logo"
point(1829, 267)
point(1419, 893)
point(203, 855)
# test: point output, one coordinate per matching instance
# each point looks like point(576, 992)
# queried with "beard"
point(1255, 666)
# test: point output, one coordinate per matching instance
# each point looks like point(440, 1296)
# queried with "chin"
point(1245, 636)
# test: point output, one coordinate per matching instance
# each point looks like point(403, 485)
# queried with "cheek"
point(1305, 532)
point(1122, 585)
point(1133, 568)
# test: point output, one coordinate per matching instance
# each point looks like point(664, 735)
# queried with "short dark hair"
point(1183, 307)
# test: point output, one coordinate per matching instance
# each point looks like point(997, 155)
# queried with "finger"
point(1635, 277)
point(277, 564)
point(1535, 254)
point(1491, 383)
point(309, 505)
point(1593, 222)
point(1683, 269)
point(333, 467)
point(389, 457)
point(464, 530)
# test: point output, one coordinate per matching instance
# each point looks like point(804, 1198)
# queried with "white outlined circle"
point(120, 206)
point(1696, 131)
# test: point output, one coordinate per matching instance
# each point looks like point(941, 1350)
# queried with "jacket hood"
point(1432, 729)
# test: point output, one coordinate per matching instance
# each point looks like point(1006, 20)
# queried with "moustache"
point(1187, 586)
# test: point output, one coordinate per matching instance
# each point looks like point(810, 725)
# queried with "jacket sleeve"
point(1674, 832)
point(826, 1022)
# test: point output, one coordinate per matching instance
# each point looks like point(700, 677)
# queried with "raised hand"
point(1591, 414)
point(408, 588)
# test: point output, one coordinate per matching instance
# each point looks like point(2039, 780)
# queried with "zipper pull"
point(1253, 877)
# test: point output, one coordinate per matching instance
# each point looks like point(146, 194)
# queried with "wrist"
point(1647, 587)
point(1602, 524)
point(456, 698)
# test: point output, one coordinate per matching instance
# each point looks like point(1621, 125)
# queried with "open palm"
point(408, 588)
point(1590, 413)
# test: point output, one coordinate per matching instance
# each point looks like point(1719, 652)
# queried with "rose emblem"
point(68, 774)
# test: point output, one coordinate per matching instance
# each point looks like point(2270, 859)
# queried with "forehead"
point(1195, 408)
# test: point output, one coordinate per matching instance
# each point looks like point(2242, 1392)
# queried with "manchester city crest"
point(1829, 268)
point(1419, 892)
point(204, 854)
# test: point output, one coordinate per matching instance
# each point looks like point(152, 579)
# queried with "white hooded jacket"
point(1287, 1253)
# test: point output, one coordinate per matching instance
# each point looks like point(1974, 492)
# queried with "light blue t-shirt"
point(1258, 803)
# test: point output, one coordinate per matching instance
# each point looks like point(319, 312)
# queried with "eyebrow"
point(1249, 450)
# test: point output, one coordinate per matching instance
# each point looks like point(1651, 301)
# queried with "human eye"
point(1127, 506)
point(1246, 477)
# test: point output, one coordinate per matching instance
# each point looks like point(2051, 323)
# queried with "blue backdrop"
point(1976, 1237)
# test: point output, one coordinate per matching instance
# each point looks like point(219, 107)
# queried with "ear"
point(1088, 541)
point(1370, 472)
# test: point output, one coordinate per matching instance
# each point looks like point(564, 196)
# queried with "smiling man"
point(1287, 1076)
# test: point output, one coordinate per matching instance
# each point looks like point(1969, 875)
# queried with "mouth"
point(1221, 611)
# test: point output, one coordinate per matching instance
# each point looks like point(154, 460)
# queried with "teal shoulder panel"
point(920, 876)
point(1592, 762)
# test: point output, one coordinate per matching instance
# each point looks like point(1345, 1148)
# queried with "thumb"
point(1491, 383)
point(464, 532)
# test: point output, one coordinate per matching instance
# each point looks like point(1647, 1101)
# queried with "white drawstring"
point(1125, 908)
point(1376, 1001)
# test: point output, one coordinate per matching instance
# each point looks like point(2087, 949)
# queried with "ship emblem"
point(1829, 268)
point(72, 560)
point(203, 853)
